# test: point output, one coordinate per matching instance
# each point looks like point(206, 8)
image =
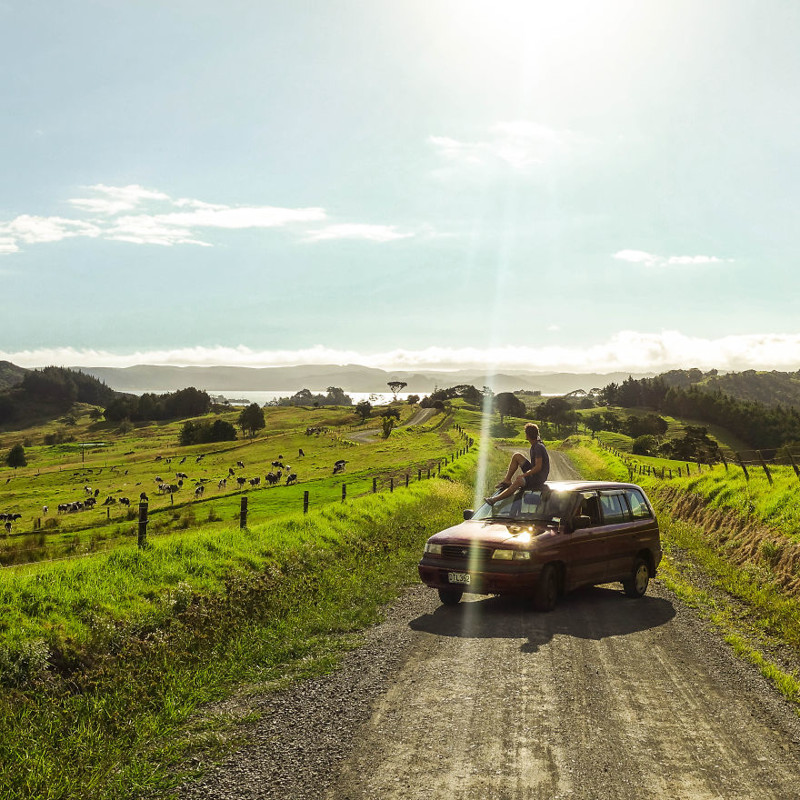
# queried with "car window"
point(615, 509)
point(638, 504)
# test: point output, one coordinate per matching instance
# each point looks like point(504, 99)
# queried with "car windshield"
point(529, 506)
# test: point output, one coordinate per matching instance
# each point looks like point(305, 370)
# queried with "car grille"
point(465, 552)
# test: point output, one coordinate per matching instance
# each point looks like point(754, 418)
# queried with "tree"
point(391, 412)
point(508, 404)
point(396, 386)
point(412, 399)
point(16, 457)
point(387, 423)
point(251, 419)
point(337, 397)
point(364, 409)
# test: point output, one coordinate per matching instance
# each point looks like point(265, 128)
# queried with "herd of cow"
point(272, 478)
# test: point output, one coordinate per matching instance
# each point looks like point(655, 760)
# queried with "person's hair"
point(532, 427)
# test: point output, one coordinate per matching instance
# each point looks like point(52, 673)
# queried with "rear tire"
point(636, 585)
point(450, 597)
point(546, 595)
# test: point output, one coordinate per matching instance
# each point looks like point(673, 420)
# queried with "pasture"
point(114, 467)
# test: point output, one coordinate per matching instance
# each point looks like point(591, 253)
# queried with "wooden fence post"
point(794, 466)
point(243, 512)
point(374, 485)
point(142, 539)
point(419, 475)
point(766, 468)
point(429, 472)
point(391, 484)
point(344, 492)
point(406, 480)
point(744, 468)
point(305, 502)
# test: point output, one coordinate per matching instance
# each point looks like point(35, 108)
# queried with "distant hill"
point(770, 388)
point(10, 374)
point(350, 377)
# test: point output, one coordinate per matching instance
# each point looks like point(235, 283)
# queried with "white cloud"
point(626, 351)
point(652, 260)
point(116, 199)
point(32, 230)
point(372, 233)
point(160, 220)
point(517, 144)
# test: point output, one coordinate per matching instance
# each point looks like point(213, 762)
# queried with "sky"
point(583, 186)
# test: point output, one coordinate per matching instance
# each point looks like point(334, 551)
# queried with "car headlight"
point(433, 549)
point(511, 555)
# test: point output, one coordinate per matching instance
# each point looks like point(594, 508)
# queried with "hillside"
point(10, 375)
point(351, 377)
point(770, 388)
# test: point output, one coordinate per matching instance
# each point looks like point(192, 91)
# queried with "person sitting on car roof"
point(534, 470)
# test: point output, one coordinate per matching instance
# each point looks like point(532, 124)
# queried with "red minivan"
point(545, 542)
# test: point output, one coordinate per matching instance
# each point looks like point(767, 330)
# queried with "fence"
point(743, 459)
point(431, 469)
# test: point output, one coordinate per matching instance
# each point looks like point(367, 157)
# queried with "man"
point(534, 471)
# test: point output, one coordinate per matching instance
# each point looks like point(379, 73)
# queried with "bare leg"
point(516, 484)
point(516, 462)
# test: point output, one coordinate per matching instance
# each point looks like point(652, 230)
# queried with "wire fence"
point(744, 460)
point(141, 517)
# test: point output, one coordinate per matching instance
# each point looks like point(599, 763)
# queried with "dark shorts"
point(531, 481)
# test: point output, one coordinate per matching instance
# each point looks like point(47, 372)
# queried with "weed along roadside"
point(731, 552)
point(105, 660)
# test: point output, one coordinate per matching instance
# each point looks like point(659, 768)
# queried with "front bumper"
point(516, 578)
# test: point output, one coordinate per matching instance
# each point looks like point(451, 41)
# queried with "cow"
point(125, 501)
point(240, 464)
point(255, 481)
point(223, 483)
point(241, 481)
point(291, 478)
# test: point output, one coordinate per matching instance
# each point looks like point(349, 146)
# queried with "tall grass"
point(106, 661)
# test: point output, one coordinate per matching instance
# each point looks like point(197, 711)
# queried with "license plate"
point(458, 577)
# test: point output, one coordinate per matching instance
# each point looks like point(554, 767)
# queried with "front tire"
point(636, 585)
point(450, 597)
point(546, 589)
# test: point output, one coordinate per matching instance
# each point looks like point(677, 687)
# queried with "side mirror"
point(581, 522)
point(468, 513)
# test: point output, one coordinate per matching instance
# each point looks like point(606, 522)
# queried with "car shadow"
point(595, 612)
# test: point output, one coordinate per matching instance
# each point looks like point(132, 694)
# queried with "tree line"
point(759, 425)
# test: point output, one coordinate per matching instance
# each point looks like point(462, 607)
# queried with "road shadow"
point(595, 612)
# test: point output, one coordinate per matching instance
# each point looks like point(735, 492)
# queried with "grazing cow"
point(291, 478)
point(198, 492)
point(159, 479)
point(44, 510)
point(109, 500)
point(125, 501)
point(240, 464)
point(255, 481)
point(231, 473)
point(338, 466)
point(181, 475)
point(8, 527)
point(182, 460)
point(87, 489)
point(90, 502)
point(223, 483)
point(241, 481)
point(271, 478)
point(300, 453)
point(158, 458)
point(96, 492)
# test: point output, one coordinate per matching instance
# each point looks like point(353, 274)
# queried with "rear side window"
point(615, 509)
point(638, 504)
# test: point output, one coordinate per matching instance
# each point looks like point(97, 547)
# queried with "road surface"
point(606, 697)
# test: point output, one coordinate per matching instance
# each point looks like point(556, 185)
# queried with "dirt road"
point(606, 697)
point(420, 416)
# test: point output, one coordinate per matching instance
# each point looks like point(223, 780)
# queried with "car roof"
point(578, 485)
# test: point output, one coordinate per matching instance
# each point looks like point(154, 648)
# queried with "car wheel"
point(450, 597)
point(546, 589)
point(636, 585)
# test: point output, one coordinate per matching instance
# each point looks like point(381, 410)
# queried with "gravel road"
point(606, 697)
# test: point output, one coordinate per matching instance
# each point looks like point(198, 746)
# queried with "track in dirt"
point(606, 697)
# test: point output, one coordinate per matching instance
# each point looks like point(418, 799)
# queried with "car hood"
point(490, 533)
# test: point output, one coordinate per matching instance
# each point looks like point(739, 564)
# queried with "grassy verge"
point(140, 640)
point(723, 561)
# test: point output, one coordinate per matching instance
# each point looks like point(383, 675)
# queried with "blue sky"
point(598, 186)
